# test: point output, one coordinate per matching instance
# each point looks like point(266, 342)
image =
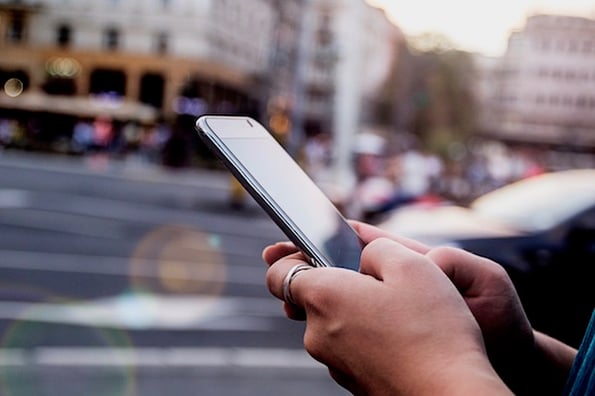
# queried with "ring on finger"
point(296, 269)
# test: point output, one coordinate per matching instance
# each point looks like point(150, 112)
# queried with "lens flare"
point(178, 260)
point(27, 333)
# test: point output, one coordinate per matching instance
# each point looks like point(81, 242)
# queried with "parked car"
point(541, 230)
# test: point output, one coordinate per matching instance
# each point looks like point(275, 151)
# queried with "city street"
point(122, 278)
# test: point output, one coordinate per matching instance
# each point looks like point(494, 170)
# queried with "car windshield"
point(539, 203)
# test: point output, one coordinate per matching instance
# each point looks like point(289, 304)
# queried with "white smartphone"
point(283, 189)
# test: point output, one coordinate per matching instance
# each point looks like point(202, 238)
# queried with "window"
point(64, 36)
point(15, 33)
point(111, 39)
point(161, 44)
point(581, 101)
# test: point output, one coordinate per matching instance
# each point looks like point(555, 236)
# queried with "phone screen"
point(300, 200)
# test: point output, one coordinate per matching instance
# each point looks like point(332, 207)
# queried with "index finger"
point(275, 252)
point(279, 269)
point(368, 233)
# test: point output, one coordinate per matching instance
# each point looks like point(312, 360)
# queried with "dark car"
point(541, 230)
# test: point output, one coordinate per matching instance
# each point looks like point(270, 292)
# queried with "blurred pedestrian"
point(103, 133)
point(372, 187)
point(82, 136)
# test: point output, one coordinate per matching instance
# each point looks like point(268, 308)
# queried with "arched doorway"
point(108, 82)
point(152, 89)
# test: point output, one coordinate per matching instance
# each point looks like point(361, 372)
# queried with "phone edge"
point(262, 197)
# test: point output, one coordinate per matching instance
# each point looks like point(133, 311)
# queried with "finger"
point(273, 253)
point(368, 233)
point(467, 271)
point(343, 380)
point(278, 271)
point(384, 258)
point(294, 312)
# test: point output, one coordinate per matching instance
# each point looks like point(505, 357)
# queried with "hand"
point(490, 295)
point(529, 362)
point(399, 326)
point(492, 298)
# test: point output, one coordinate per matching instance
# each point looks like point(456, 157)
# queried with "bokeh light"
point(178, 260)
point(62, 67)
point(13, 87)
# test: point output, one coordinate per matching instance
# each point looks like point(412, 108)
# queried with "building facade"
point(543, 89)
point(352, 49)
point(302, 66)
point(152, 52)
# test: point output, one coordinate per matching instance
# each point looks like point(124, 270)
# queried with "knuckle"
point(443, 253)
point(319, 296)
point(497, 271)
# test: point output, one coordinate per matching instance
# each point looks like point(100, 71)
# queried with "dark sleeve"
point(581, 380)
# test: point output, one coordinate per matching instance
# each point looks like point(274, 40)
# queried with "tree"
point(442, 97)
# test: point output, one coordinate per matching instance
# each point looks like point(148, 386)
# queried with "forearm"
point(543, 369)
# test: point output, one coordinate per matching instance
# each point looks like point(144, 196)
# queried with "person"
point(423, 321)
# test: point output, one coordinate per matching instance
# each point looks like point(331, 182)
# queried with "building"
point(351, 50)
point(170, 55)
point(542, 91)
point(301, 66)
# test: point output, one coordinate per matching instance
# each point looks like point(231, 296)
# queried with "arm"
point(525, 359)
point(530, 362)
point(554, 359)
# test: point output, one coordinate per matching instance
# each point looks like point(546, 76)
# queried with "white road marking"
point(273, 358)
point(151, 312)
point(10, 198)
point(119, 266)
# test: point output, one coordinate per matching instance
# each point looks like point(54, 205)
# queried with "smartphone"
point(283, 190)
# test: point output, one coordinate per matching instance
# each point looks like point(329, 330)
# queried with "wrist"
point(475, 377)
point(466, 375)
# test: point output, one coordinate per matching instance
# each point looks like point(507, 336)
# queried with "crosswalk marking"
point(274, 358)
point(153, 312)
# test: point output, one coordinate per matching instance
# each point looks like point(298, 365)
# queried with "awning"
point(80, 106)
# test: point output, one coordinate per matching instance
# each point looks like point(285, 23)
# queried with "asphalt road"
point(122, 278)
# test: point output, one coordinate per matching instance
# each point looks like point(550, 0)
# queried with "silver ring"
point(289, 278)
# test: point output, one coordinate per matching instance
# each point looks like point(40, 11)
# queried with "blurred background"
point(130, 259)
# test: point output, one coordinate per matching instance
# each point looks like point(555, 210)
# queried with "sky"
point(476, 25)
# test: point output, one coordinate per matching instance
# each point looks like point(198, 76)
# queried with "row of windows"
point(567, 46)
point(580, 102)
point(568, 75)
point(111, 38)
